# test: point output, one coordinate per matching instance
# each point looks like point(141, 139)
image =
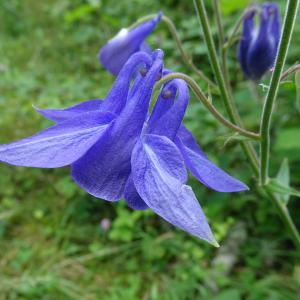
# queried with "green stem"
point(184, 56)
point(201, 96)
point(287, 30)
point(290, 71)
point(222, 50)
point(230, 107)
point(284, 214)
point(216, 6)
point(233, 35)
point(233, 114)
point(212, 53)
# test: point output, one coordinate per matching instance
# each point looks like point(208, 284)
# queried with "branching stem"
point(207, 103)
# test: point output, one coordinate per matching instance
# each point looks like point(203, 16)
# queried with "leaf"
point(279, 188)
point(283, 177)
point(297, 82)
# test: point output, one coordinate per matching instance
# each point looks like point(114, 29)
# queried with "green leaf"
point(279, 188)
point(283, 177)
point(297, 82)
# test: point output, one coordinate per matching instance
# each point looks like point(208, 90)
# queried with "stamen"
point(143, 71)
point(166, 94)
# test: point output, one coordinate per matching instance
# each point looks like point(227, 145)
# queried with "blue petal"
point(162, 105)
point(116, 98)
point(132, 197)
point(118, 50)
point(275, 29)
point(246, 40)
point(162, 122)
point(118, 95)
point(188, 140)
point(159, 176)
point(59, 145)
point(104, 170)
point(60, 115)
point(261, 54)
point(207, 172)
point(169, 123)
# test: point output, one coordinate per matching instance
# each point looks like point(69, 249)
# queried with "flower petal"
point(104, 170)
point(159, 176)
point(188, 140)
point(246, 40)
point(118, 50)
point(60, 115)
point(132, 197)
point(118, 95)
point(207, 172)
point(261, 54)
point(59, 145)
point(169, 122)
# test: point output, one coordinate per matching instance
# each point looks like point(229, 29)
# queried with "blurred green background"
point(57, 242)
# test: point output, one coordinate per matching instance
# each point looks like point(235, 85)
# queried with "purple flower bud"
point(117, 51)
point(258, 46)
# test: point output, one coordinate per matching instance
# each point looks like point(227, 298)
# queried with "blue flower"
point(159, 160)
point(160, 156)
point(115, 149)
point(118, 50)
point(258, 46)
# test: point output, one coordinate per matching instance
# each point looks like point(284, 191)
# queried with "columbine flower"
point(97, 143)
point(118, 50)
point(114, 152)
point(158, 164)
point(258, 46)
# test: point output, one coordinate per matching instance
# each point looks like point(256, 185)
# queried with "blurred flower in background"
point(128, 41)
point(258, 46)
point(105, 224)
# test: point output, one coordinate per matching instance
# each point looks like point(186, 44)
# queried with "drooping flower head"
point(116, 150)
point(127, 42)
point(159, 161)
point(258, 45)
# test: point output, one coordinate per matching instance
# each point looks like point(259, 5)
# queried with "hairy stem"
point(286, 218)
point(225, 92)
point(207, 103)
point(184, 56)
point(287, 30)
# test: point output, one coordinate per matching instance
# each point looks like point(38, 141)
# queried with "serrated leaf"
point(277, 187)
point(297, 82)
point(283, 177)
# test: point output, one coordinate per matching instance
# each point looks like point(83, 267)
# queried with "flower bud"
point(258, 45)
point(117, 51)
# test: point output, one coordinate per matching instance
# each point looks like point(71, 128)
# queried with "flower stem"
point(229, 105)
point(288, 25)
point(290, 71)
point(184, 56)
point(232, 112)
point(233, 36)
point(207, 103)
point(286, 218)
